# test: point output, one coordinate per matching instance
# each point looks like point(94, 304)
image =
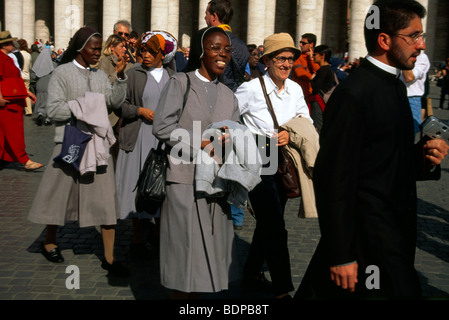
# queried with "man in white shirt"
point(415, 82)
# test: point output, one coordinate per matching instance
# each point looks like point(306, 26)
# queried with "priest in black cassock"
point(366, 171)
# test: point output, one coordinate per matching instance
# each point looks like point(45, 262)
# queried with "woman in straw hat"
point(12, 140)
point(145, 84)
point(64, 194)
point(268, 199)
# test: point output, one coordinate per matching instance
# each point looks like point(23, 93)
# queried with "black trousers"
point(269, 241)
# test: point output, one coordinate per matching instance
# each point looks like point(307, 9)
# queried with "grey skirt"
point(197, 248)
point(63, 195)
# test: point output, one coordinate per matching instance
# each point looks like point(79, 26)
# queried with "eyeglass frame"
point(226, 50)
point(304, 43)
point(291, 60)
point(415, 38)
point(120, 33)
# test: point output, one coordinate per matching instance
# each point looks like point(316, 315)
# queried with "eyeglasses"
point(218, 49)
point(414, 37)
point(123, 34)
point(304, 43)
point(282, 59)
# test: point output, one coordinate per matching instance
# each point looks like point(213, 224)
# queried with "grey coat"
point(129, 130)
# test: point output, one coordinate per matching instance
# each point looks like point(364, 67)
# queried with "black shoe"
point(47, 122)
point(39, 120)
point(116, 268)
point(53, 255)
point(258, 282)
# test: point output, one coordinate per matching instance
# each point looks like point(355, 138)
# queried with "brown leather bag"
point(286, 165)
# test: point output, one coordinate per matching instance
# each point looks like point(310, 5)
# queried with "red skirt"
point(12, 137)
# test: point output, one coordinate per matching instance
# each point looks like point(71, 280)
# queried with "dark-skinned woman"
point(197, 235)
point(65, 194)
point(145, 83)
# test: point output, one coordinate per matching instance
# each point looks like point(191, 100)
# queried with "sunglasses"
point(123, 34)
point(303, 43)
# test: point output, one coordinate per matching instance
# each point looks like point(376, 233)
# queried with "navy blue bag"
point(73, 145)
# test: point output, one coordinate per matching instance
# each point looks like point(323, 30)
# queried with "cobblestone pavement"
point(26, 275)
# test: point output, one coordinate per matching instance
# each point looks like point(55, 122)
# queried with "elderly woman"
point(197, 234)
point(145, 84)
point(268, 199)
point(64, 194)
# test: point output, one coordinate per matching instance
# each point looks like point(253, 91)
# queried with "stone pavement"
point(26, 275)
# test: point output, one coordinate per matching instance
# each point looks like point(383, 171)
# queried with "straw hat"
point(277, 42)
point(5, 36)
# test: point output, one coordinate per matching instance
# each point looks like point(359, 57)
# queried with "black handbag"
point(151, 184)
point(286, 166)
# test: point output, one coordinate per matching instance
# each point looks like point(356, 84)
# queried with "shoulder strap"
point(186, 94)
point(270, 106)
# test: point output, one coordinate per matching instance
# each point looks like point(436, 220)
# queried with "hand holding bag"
point(13, 88)
point(73, 145)
point(286, 166)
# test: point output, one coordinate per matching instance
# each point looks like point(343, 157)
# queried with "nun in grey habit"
point(196, 233)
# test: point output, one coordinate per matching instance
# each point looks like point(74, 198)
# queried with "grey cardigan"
point(68, 83)
point(129, 130)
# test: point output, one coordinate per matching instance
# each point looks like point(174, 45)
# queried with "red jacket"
point(302, 71)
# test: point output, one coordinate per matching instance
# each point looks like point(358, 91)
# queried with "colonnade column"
point(111, 14)
point(429, 26)
point(63, 25)
point(173, 18)
point(202, 9)
point(310, 19)
point(28, 21)
point(256, 21)
point(125, 10)
point(14, 18)
point(68, 18)
point(159, 14)
point(357, 47)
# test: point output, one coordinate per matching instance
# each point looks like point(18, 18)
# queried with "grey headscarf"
point(43, 64)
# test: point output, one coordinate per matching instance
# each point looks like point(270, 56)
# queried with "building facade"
point(337, 23)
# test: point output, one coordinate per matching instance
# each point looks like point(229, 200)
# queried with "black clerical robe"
point(365, 184)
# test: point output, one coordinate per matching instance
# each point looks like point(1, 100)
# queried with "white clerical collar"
point(383, 66)
point(198, 74)
point(79, 66)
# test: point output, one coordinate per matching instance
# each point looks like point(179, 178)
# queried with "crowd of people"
point(132, 92)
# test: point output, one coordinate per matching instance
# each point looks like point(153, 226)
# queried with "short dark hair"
point(310, 37)
point(394, 15)
point(223, 9)
point(251, 47)
point(323, 49)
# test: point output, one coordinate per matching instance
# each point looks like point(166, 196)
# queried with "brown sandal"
point(31, 165)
